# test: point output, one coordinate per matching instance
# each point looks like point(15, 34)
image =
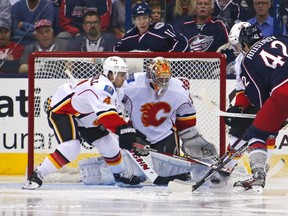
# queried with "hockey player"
point(161, 110)
point(264, 72)
point(241, 105)
point(91, 109)
point(148, 36)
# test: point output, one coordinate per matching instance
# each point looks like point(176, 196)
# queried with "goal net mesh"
point(50, 70)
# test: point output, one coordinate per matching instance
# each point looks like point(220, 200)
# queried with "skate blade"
point(30, 186)
point(123, 185)
point(255, 190)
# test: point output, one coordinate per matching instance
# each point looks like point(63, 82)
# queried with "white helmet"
point(159, 74)
point(114, 64)
point(235, 32)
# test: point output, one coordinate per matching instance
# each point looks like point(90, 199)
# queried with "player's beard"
point(93, 33)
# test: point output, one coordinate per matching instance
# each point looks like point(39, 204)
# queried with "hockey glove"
point(127, 136)
point(231, 121)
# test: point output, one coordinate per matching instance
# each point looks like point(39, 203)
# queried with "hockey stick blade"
point(208, 103)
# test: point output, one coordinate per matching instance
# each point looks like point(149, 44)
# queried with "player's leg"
point(109, 148)
point(67, 135)
point(259, 133)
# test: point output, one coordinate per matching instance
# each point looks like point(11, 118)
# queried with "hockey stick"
point(207, 101)
point(222, 163)
point(191, 161)
point(212, 172)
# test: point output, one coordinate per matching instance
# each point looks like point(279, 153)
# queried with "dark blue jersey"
point(160, 37)
point(206, 37)
point(265, 68)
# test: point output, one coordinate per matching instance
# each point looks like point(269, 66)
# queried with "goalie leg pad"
point(169, 166)
point(94, 171)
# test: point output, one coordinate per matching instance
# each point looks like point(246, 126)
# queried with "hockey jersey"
point(207, 37)
point(265, 68)
point(93, 102)
point(156, 116)
point(160, 37)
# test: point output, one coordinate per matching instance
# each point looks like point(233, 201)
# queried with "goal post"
point(48, 70)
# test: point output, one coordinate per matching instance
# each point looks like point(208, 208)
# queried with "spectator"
point(71, 14)
point(93, 40)
point(24, 15)
point(262, 19)
point(204, 33)
point(246, 9)
point(179, 12)
point(154, 37)
point(10, 52)
point(156, 12)
point(45, 42)
point(227, 11)
point(118, 18)
point(5, 12)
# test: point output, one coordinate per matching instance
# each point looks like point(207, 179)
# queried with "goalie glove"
point(194, 145)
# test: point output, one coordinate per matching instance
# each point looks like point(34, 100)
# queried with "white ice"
point(77, 199)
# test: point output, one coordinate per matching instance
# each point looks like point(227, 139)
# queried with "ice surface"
point(76, 199)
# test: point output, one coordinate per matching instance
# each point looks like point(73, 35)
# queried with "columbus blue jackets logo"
point(200, 43)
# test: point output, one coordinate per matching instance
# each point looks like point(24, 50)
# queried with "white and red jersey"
point(93, 102)
point(156, 116)
point(241, 98)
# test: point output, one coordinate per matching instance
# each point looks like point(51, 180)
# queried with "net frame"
point(197, 55)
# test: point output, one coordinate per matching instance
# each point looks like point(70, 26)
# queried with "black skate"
point(126, 179)
point(254, 185)
point(34, 181)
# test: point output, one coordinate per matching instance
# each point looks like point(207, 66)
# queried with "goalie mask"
point(114, 64)
point(159, 75)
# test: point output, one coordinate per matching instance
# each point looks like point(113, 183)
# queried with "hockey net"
point(47, 71)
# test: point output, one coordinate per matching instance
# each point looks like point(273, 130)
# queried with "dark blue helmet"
point(140, 9)
point(250, 35)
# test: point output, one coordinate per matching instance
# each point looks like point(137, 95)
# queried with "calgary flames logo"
point(150, 112)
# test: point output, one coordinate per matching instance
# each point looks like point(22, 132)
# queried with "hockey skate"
point(126, 179)
point(34, 181)
point(253, 185)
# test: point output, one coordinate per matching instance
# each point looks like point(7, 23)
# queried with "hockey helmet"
point(250, 35)
point(235, 32)
point(141, 9)
point(114, 64)
point(159, 74)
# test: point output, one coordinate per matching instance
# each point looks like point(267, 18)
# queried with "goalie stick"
point(149, 172)
point(190, 160)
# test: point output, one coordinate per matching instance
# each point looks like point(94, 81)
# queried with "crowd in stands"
point(100, 25)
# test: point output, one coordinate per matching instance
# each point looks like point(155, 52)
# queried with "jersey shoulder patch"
point(109, 89)
point(131, 78)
